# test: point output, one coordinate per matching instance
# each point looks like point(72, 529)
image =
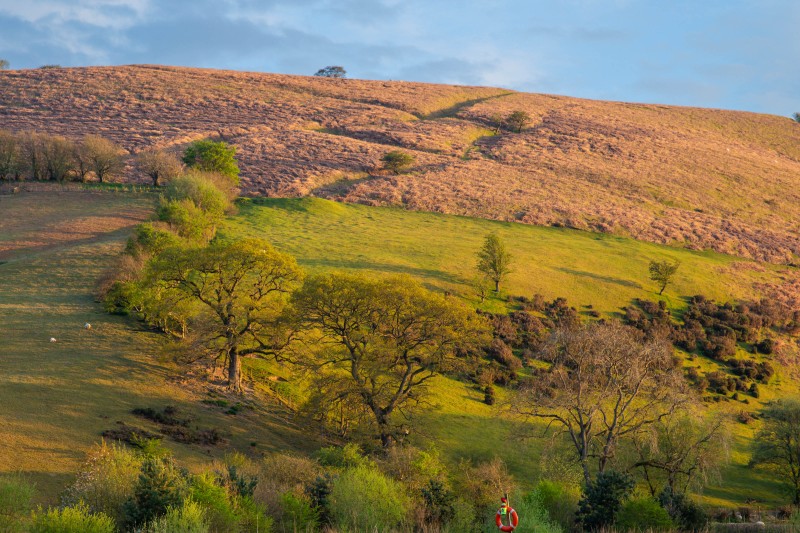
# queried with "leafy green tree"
point(4, 64)
point(375, 344)
point(796, 117)
point(397, 161)
point(238, 289)
point(603, 498)
point(662, 273)
point(494, 260)
point(194, 204)
point(605, 384)
point(331, 71)
point(104, 157)
point(517, 121)
point(212, 156)
point(158, 165)
point(777, 445)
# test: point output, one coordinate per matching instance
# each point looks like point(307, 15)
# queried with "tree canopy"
point(213, 156)
point(662, 273)
point(777, 445)
point(378, 343)
point(236, 291)
point(494, 260)
point(397, 161)
point(332, 71)
point(605, 384)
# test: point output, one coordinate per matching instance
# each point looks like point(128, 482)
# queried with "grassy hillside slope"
point(603, 271)
point(58, 397)
point(699, 178)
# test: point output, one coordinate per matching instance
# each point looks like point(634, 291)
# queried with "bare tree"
point(104, 156)
point(59, 157)
point(777, 445)
point(10, 156)
point(32, 146)
point(605, 384)
point(680, 451)
point(158, 165)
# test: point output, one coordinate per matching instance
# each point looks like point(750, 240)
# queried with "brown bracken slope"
point(724, 180)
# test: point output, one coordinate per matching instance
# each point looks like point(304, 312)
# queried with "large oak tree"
point(238, 291)
point(374, 345)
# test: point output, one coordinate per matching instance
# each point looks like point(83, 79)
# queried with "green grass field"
point(604, 271)
point(58, 397)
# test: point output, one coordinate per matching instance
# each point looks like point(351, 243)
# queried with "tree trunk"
point(497, 285)
point(234, 372)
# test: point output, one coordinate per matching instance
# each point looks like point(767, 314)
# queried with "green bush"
point(298, 513)
point(603, 498)
point(161, 485)
point(686, 514)
point(397, 160)
point(150, 238)
point(106, 481)
point(363, 499)
point(76, 519)
point(643, 514)
point(438, 501)
point(215, 501)
point(15, 502)
point(559, 502)
point(212, 157)
point(347, 456)
point(186, 518)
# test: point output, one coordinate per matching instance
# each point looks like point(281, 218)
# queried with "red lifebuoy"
point(512, 518)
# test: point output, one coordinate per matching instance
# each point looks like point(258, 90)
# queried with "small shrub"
point(685, 513)
point(211, 156)
point(559, 502)
point(603, 498)
point(216, 503)
point(161, 485)
point(15, 502)
point(397, 161)
point(363, 499)
point(319, 493)
point(106, 481)
point(438, 501)
point(347, 456)
point(298, 513)
point(488, 395)
point(77, 519)
point(643, 514)
point(186, 518)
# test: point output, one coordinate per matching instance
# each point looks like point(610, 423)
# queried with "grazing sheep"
point(52, 339)
point(87, 326)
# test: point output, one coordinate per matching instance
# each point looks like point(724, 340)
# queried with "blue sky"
point(733, 54)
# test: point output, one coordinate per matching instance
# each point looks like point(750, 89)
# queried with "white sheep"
point(52, 339)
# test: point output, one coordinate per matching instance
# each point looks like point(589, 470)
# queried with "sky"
point(730, 54)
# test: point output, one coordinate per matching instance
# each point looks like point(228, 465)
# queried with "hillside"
point(60, 396)
point(699, 178)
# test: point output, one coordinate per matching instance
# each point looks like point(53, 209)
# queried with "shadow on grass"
point(599, 277)
point(343, 264)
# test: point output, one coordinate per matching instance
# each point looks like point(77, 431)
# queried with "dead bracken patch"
point(704, 179)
